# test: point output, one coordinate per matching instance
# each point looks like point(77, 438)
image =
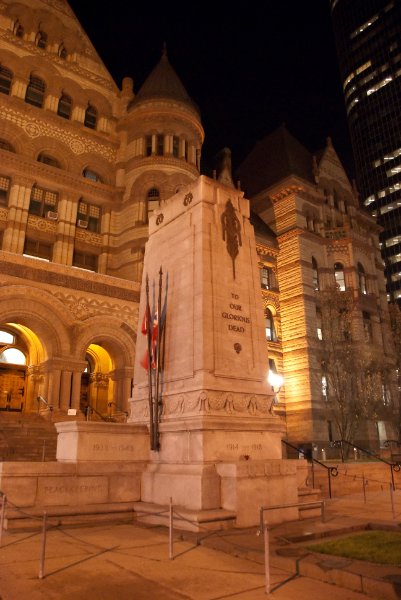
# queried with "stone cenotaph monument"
point(219, 444)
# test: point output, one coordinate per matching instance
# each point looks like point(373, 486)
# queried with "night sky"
point(248, 72)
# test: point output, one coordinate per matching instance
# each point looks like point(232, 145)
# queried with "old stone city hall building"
point(83, 164)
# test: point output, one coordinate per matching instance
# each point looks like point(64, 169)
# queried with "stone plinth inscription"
point(72, 490)
point(234, 314)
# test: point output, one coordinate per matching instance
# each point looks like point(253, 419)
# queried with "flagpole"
point(158, 365)
point(150, 391)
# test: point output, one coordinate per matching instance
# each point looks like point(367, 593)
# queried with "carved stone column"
point(18, 206)
point(76, 389)
point(65, 390)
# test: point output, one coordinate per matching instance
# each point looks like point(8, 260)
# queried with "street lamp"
point(276, 381)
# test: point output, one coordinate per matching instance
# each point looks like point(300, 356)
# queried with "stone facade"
point(83, 166)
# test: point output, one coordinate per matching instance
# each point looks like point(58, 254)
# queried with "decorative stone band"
point(209, 403)
point(77, 144)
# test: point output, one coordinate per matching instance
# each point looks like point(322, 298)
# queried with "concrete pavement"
point(130, 561)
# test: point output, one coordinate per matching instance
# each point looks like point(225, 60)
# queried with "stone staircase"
point(305, 496)
point(27, 437)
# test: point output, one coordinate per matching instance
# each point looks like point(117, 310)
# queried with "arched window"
point(62, 52)
point(13, 356)
point(88, 174)
point(148, 145)
point(41, 39)
point(64, 106)
point(35, 92)
point(271, 335)
point(18, 29)
point(49, 160)
point(4, 145)
point(153, 200)
point(339, 276)
point(362, 279)
point(319, 326)
point(6, 78)
point(90, 117)
point(315, 274)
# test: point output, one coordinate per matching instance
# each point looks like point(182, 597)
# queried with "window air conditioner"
point(53, 216)
point(82, 224)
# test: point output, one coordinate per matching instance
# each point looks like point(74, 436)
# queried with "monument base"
point(241, 488)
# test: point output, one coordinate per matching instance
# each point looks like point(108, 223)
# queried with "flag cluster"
point(150, 329)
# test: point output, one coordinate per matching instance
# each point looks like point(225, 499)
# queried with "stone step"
point(183, 518)
point(305, 496)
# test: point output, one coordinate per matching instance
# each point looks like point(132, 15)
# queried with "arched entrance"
point(20, 353)
point(97, 390)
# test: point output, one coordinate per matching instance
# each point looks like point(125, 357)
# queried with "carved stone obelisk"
point(220, 444)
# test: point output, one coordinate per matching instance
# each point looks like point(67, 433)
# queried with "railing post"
point(3, 512)
point(392, 500)
point(329, 476)
point(170, 538)
point(323, 512)
point(364, 487)
point(267, 557)
point(392, 476)
point(43, 548)
point(44, 451)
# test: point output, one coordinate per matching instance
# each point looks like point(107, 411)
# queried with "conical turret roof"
point(163, 83)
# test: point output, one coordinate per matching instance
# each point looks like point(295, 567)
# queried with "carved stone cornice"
point(31, 272)
point(209, 403)
point(284, 192)
point(83, 307)
point(266, 251)
point(288, 235)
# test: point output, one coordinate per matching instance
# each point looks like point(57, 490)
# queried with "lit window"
point(362, 28)
point(89, 216)
point(35, 92)
point(315, 275)
point(271, 335)
point(362, 279)
point(6, 338)
point(13, 356)
point(36, 249)
point(324, 387)
point(339, 276)
point(42, 201)
point(6, 78)
point(64, 106)
point(319, 329)
point(90, 119)
point(266, 278)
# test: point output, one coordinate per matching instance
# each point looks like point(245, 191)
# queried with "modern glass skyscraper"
point(368, 40)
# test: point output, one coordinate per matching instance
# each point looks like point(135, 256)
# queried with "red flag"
point(155, 328)
point(145, 321)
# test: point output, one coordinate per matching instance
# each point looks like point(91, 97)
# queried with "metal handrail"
point(331, 471)
point(387, 443)
point(40, 399)
point(393, 466)
point(90, 410)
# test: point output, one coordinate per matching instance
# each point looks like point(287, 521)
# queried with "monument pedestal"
point(220, 444)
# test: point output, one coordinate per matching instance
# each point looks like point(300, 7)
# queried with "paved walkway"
point(130, 562)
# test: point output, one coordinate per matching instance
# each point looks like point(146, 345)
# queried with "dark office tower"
point(368, 40)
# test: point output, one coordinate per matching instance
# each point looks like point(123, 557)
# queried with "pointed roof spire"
point(164, 83)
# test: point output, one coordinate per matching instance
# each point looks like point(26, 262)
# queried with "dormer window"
point(35, 92)
point(62, 52)
point(90, 117)
point(18, 29)
point(41, 39)
point(64, 106)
